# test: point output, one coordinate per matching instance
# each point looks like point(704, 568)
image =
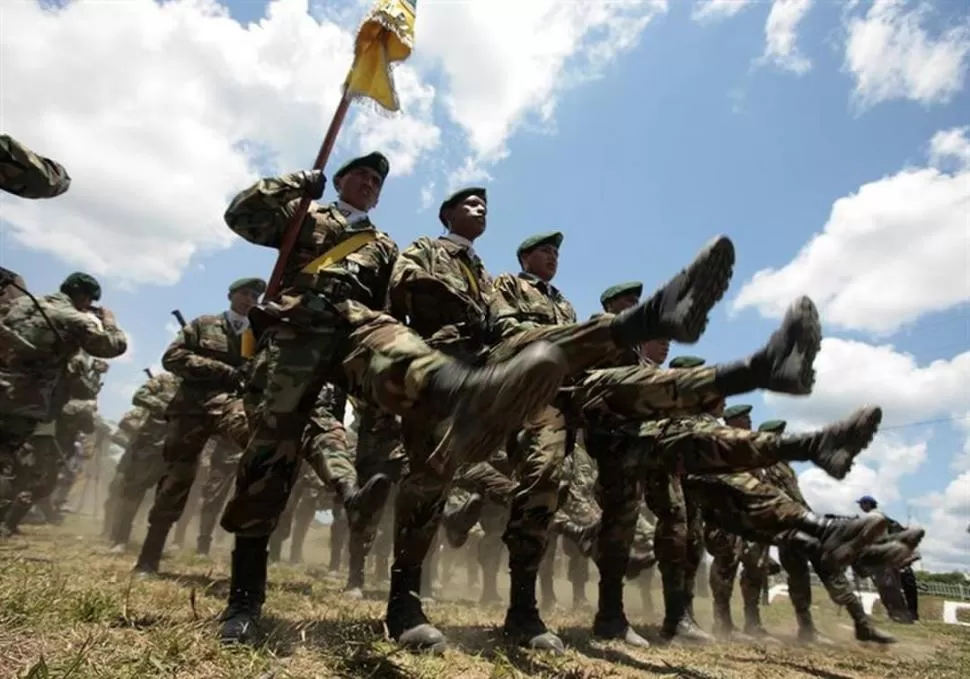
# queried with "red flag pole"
point(293, 228)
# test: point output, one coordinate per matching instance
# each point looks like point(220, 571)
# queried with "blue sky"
point(645, 156)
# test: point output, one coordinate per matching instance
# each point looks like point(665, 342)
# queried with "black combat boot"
point(523, 625)
point(364, 503)
point(864, 629)
point(678, 311)
point(785, 364)
point(835, 447)
point(807, 632)
point(485, 406)
point(247, 591)
point(358, 559)
point(459, 521)
point(842, 540)
point(406, 622)
point(753, 626)
point(610, 621)
point(338, 538)
point(678, 624)
point(151, 549)
point(275, 553)
point(884, 553)
point(16, 512)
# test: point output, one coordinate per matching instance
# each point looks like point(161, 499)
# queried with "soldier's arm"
point(150, 395)
point(261, 213)
point(411, 280)
point(503, 310)
point(101, 340)
point(29, 175)
point(181, 358)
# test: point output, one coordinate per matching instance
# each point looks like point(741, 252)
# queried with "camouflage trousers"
point(33, 474)
point(379, 451)
point(679, 537)
point(297, 516)
point(376, 357)
point(185, 437)
point(488, 481)
point(142, 468)
point(218, 482)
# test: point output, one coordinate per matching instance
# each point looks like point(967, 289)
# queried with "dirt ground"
point(69, 609)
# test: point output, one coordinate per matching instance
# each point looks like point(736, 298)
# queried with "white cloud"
point(781, 32)
point(951, 146)
point(877, 471)
point(850, 374)
point(892, 56)
point(471, 172)
point(427, 195)
point(159, 112)
point(507, 61)
point(946, 546)
point(894, 250)
point(712, 10)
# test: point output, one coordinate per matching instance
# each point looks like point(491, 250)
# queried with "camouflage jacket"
point(128, 426)
point(261, 213)
point(35, 351)
point(442, 292)
point(206, 356)
point(520, 302)
point(152, 397)
point(28, 175)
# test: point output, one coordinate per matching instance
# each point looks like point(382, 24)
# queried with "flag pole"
point(293, 227)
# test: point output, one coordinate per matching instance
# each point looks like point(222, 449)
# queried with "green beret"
point(773, 426)
point(375, 161)
point(257, 284)
point(83, 283)
point(687, 362)
point(458, 196)
point(737, 411)
point(611, 293)
point(532, 242)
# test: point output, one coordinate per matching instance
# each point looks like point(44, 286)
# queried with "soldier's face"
point(361, 188)
point(543, 262)
point(243, 300)
point(655, 350)
point(740, 422)
point(468, 219)
point(622, 303)
point(867, 506)
point(81, 301)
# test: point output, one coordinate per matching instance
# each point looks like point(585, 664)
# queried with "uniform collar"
point(349, 212)
point(237, 322)
point(462, 242)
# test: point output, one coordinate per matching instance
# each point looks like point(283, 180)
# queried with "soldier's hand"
point(314, 183)
point(105, 314)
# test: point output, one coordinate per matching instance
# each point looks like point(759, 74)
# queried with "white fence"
point(938, 589)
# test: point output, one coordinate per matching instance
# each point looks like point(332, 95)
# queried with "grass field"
point(69, 609)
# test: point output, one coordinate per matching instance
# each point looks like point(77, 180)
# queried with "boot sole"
point(457, 538)
point(802, 330)
point(707, 279)
point(847, 552)
point(862, 428)
point(471, 438)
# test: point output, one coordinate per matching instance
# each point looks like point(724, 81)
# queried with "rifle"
point(148, 372)
point(180, 318)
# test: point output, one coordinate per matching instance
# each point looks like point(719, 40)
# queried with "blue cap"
point(867, 499)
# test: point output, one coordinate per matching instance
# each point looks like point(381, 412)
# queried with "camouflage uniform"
point(223, 462)
point(27, 174)
point(143, 463)
point(128, 427)
point(37, 348)
point(581, 507)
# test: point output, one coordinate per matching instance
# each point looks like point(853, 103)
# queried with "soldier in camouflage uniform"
point(143, 463)
point(127, 429)
point(52, 444)
point(40, 337)
point(442, 288)
point(27, 174)
point(223, 461)
point(328, 326)
point(207, 356)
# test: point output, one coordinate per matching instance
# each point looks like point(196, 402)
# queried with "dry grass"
point(68, 609)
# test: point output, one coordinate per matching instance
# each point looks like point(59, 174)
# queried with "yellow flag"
point(385, 37)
